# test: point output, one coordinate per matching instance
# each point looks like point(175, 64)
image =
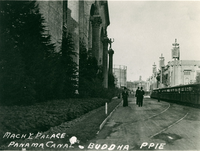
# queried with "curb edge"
point(105, 120)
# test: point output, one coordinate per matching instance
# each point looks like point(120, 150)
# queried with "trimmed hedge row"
point(84, 128)
point(43, 116)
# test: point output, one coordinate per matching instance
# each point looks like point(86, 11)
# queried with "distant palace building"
point(130, 85)
point(181, 72)
point(138, 83)
point(176, 72)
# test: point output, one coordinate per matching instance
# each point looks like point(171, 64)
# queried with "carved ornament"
point(96, 21)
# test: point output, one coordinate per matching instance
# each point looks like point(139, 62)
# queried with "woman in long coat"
point(125, 97)
point(137, 95)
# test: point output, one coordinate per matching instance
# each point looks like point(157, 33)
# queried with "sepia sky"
point(142, 30)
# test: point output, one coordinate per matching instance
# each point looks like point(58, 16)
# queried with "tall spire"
point(175, 51)
point(154, 69)
point(162, 61)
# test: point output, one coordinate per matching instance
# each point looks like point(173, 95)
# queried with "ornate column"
point(96, 21)
point(111, 52)
point(105, 61)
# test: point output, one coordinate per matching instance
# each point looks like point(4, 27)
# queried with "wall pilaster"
point(96, 21)
point(105, 61)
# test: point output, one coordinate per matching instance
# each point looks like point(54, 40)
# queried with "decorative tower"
point(162, 64)
point(140, 78)
point(175, 51)
point(175, 57)
point(162, 61)
point(154, 69)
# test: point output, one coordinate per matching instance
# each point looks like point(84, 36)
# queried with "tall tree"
point(90, 74)
point(83, 71)
point(68, 68)
point(36, 47)
point(16, 86)
point(23, 25)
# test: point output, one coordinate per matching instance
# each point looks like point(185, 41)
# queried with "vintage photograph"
point(99, 75)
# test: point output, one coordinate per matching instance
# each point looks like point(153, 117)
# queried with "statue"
point(110, 42)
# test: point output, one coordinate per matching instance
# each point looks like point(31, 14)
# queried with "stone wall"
point(52, 12)
point(77, 17)
point(73, 24)
point(85, 23)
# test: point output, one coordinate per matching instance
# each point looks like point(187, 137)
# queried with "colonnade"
point(96, 23)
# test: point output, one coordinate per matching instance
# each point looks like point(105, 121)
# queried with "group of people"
point(139, 97)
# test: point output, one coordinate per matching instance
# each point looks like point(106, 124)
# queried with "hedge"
point(43, 116)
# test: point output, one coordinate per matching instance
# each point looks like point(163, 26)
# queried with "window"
point(186, 72)
point(186, 81)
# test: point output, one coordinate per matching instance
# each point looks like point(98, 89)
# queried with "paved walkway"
point(156, 125)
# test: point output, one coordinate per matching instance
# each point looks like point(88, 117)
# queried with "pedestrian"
point(137, 95)
point(125, 97)
point(141, 96)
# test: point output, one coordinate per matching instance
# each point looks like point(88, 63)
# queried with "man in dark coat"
point(125, 97)
point(137, 95)
point(141, 96)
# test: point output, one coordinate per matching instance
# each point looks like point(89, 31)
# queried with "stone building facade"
point(52, 12)
point(140, 83)
point(85, 20)
point(152, 82)
point(181, 72)
point(176, 72)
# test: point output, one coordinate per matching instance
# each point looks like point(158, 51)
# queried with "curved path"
point(156, 125)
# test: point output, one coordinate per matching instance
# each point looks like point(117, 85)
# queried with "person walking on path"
point(141, 96)
point(137, 95)
point(125, 97)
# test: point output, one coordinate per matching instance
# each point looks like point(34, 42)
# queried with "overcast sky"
point(142, 30)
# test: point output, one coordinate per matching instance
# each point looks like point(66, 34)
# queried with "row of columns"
point(96, 21)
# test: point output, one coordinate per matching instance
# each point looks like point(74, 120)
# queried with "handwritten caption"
point(73, 140)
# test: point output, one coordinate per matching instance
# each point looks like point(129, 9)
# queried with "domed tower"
point(162, 61)
point(175, 51)
point(154, 69)
point(162, 65)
